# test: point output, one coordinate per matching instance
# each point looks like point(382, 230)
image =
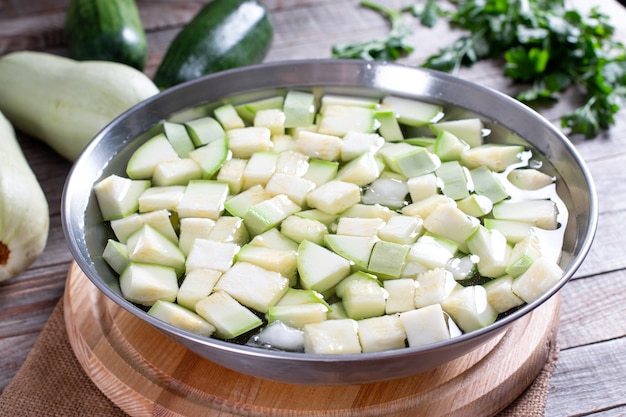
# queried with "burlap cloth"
point(51, 382)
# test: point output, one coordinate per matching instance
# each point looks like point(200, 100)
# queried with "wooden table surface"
point(589, 378)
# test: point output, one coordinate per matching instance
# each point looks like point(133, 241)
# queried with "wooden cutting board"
point(145, 373)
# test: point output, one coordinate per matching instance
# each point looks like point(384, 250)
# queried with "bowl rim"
point(70, 211)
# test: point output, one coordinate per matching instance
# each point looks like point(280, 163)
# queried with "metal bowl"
point(507, 118)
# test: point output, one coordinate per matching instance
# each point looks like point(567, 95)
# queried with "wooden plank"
point(589, 310)
point(607, 250)
point(588, 379)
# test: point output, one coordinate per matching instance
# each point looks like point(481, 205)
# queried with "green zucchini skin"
point(224, 34)
point(106, 30)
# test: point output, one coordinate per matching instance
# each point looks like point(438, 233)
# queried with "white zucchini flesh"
point(332, 337)
point(230, 318)
point(179, 316)
point(196, 285)
point(146, 283)
point(253, 286)
point(425, 325)
point(400, 295)
point(320, 269)
point(469, 308)
point(278, 335)
point(369, 226)
point(378, 334)
point(118, 196)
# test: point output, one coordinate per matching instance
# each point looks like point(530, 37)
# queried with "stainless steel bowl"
point(109, 151)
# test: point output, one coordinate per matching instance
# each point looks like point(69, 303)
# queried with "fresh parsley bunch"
point(544, 45)
point(548, 46)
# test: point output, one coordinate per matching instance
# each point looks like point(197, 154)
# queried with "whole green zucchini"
point(224, 34)
point(107, 30)
point(65, 102)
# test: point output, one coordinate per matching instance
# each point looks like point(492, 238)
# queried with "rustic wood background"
point(589, 379)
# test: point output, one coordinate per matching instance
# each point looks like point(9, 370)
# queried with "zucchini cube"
point(408, 160)
point(401, 229)
point(273, 238)
point(433, 286)
point(144, 284)
point(318, 145)
point(296, 188)
point(239, 204)
point(299, 109)
point(334, 197)
point(230, 229)
point(388, 259)
point(355, 144)
point(273, 119)
point(500, 294)
point(181, 317)
point(230, 318)
point(320, 269)
point(378, 334)
point(412, 112)
point(197, 284)
point(537, 279)
point(291, 162)
point(211, 254)
point(277, 260)
point(259, 169)
point(244, 142)
point(177, 134)
point(147, 245)
point(432, 251)
point(269, 213)
point(298, 315)
point(192, 228)
point(492, 249)
point(118, 197)
point(144, 160)
point(401, 294)
point(203, 198)
point(158, 219)
point(359, 226)
point(356, 249)
point(469, 308)
point(161, 198)
point(178, 172)
point(299, 228)
point(228, 117)
point(231, 173)
point(211, 157)
point(204, 130)
point(115, 255)
point(425, 325)
point(339, 119)
point(253, 286)
point(332, 337)
point(362, 296)
point(468, 130)
point(488, 185)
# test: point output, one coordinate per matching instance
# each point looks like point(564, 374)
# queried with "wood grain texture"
point(142, 371)
point(592, 311)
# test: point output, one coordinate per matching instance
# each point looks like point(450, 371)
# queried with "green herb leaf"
point(388, 49)
point(548, 46)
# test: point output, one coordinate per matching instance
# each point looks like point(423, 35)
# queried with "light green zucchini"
point(24, 216)
point(64, 102)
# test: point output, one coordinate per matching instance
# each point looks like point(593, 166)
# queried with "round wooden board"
point(145, 373)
